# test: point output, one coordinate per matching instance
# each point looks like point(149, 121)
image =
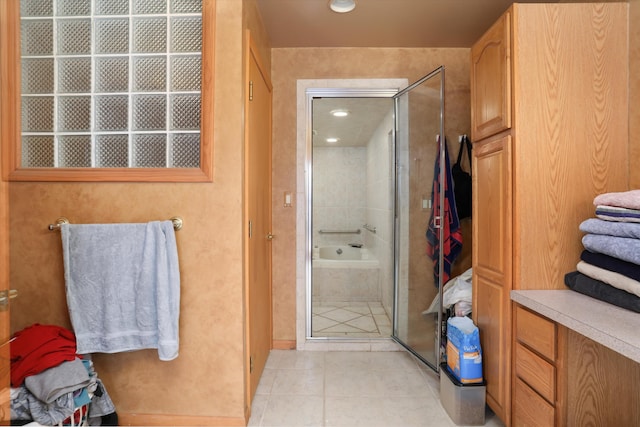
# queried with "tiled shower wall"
point(339, 193)
point(380, 204)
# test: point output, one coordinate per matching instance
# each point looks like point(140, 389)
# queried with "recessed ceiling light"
point(332, 140)
point(340, 113)
point(342, 6)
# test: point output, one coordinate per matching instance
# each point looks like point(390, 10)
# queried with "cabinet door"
point(492, 266)
point(491, 80)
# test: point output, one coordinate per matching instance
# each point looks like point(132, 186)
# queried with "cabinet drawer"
point(536, 332)
point(535, 371)
point(530, 409)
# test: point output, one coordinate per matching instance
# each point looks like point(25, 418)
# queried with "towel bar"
point(176, 220)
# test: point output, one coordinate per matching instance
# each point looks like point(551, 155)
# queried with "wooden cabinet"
point(550, 132)
point(491, 78)
point(539, 391)
point(603, 386)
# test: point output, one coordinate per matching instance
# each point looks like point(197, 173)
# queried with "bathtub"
point(344, 273)
point(343, 257)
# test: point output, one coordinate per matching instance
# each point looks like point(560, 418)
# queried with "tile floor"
point(350, 388)
point(350, 319)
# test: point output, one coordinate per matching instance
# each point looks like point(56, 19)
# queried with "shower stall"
point(370, 162)
point(352, 217)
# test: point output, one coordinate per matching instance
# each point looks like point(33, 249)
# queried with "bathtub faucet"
point(339, 251)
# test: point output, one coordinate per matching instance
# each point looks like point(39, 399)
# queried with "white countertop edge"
point(604, 323)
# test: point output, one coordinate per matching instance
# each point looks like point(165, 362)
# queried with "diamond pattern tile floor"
point(350, 319)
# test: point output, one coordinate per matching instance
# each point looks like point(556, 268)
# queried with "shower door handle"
point(270, 236)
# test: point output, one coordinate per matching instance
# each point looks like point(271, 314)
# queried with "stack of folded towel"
point(609, 267)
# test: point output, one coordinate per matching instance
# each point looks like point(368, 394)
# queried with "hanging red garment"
point(451, 245)
point(40, 347)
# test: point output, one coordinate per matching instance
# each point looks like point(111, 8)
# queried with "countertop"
point(604, 323)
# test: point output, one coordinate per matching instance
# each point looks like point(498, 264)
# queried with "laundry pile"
point(51, 384)
point(457, 292)
point(609, 267)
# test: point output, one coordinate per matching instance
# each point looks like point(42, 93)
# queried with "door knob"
point(270, 236)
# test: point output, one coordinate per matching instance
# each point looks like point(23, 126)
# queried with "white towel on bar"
point(123, 286)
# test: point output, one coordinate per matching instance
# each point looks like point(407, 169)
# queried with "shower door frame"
point(306, 90)
point(327, 92)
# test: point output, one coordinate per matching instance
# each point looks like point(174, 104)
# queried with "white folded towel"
point(123, 286)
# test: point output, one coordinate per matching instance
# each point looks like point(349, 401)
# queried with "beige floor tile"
point(301, 360)
point(303, 382)
point(353, 412)
point(258, 405)
point(319, 323)
point(364, 323)
point(418, 411)
point(266, 381)
point(360, 309)
point(340, 315)
point(389, 360)
point(293, 411)
point(351, 389)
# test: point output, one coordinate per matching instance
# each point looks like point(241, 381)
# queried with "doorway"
point(366, 200)
point(352, 213)
point(348, 88)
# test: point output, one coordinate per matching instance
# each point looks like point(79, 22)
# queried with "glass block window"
point(111, 83)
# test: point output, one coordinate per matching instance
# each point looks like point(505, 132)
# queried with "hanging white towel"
point(123, 286)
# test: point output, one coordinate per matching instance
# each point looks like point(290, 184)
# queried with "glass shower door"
point(419, 123)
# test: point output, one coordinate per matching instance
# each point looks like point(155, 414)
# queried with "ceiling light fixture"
point(332, 140)
point(342, 6)
point(339, 113)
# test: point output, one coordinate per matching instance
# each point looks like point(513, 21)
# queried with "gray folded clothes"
point(611, 228)
point(622, 248)
point(54, 382)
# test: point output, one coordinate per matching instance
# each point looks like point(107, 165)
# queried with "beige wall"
point(207, 379)
point(634, 93)
point(289, 65)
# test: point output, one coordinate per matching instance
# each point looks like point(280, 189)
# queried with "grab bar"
point(176, 220)
point(369, 228)
point(339, 231)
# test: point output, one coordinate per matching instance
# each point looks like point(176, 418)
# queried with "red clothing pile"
point(40, 347)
